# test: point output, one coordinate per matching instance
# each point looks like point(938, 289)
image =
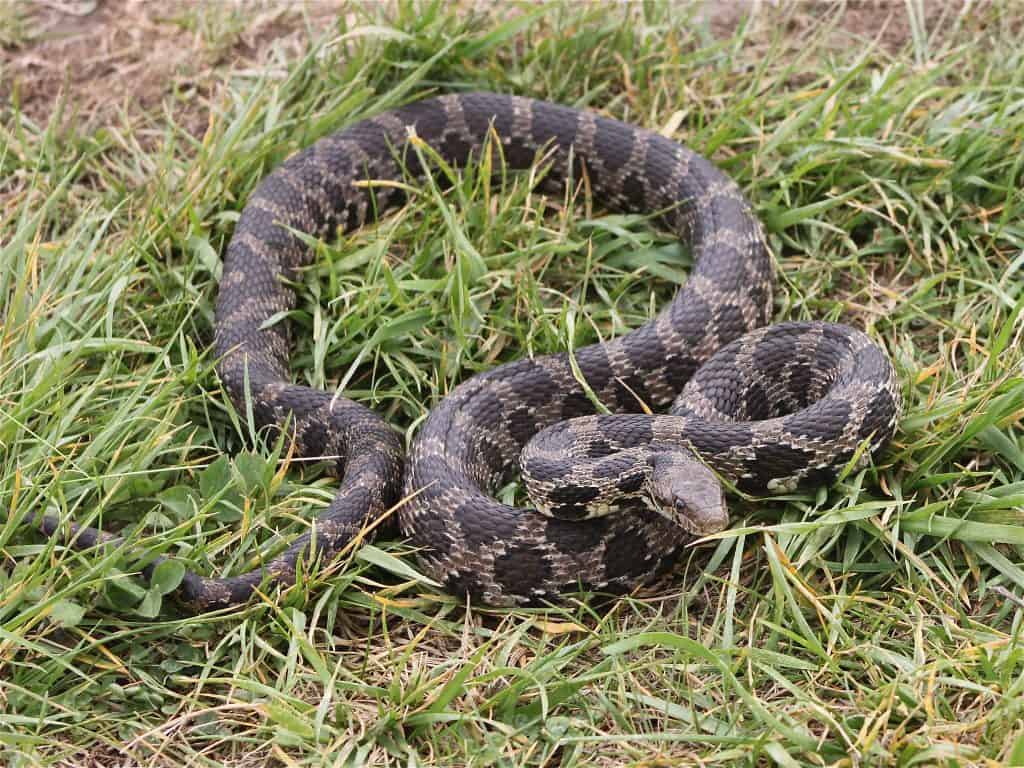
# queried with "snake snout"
point(688, 493)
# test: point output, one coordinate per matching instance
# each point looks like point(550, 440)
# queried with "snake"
point(618, 487)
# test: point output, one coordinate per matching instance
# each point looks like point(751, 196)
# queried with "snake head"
point(688, 493)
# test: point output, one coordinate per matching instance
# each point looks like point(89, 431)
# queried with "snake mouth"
point(702, 528)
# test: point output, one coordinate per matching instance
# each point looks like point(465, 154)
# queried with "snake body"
point(471, 442)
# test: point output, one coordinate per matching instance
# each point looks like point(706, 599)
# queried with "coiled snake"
point(790, 402)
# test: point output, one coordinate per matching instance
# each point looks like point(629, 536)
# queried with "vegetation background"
point(875, 623)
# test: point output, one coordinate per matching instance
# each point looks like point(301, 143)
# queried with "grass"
point(874, 623)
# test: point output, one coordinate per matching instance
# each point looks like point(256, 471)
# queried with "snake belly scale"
point(810, 397)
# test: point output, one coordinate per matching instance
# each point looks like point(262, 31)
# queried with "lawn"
point(874, 623)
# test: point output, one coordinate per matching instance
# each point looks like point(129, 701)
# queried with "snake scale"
point(618, 495)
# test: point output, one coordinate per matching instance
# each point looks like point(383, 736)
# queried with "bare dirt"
point(105, 58)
